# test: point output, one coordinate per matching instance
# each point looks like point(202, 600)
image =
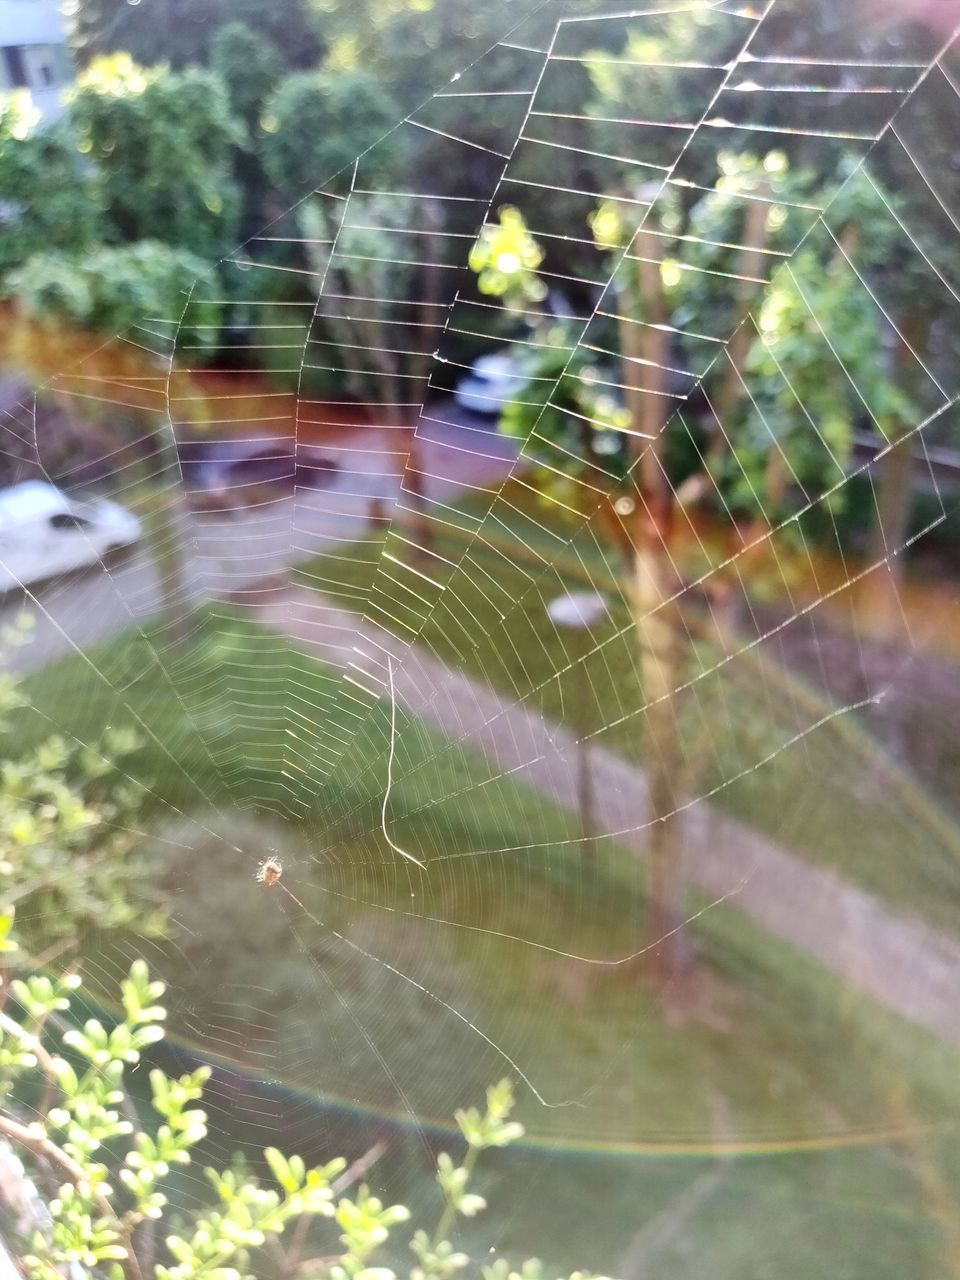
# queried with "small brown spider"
point(269, 872)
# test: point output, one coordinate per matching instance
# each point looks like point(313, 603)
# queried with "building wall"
point(33, 52)
point(31, 22)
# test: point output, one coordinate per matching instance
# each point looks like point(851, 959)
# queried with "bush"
point(71, 860)
point(110, 1166)
point(113, 290)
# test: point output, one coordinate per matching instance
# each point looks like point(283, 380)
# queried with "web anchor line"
point(386, 795)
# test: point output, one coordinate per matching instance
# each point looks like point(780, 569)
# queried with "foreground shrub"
point(81, 1134)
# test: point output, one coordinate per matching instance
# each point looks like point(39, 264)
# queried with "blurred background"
point(502, 462)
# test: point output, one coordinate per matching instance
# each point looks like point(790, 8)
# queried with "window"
point(15, 66)
point(65, 520)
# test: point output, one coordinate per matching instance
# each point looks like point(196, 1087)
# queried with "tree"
point(382, 349)
point(888, 234)
point(250, 67)
point(505, 259)
point(885, 256)
point(415, 46)
point(160, 144)
point(318, 123)
point(182, 32)
point(111, 317)
point(114, 289)
point(47, 201)
point(754, 460)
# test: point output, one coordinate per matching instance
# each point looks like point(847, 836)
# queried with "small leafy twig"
point(492, 1128)
point(360, 1168)
point(33, 1045)
point(34, 1138)
point(351, 1175)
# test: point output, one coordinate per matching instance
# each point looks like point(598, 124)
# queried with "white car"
point(43, 532)
point(492, 381)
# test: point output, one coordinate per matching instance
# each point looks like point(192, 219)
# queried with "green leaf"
point(6, 925)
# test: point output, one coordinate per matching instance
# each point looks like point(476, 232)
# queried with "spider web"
point(367, 670)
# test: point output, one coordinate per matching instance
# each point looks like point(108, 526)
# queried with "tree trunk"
point(163, 523)
point(404, 421)
point(893, 492)
point(725, 589)
point(165, 546)
point(750, 267)
point(645, 347)
point(431, 312)
point(669, 951)
point(583, 723)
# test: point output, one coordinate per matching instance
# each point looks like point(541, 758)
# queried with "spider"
point(269, 872)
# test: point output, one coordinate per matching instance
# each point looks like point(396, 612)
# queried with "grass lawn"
point(379, 991)
point(746, 724)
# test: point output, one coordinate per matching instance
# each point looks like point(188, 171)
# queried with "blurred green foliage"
point(71, 862)
point(184, 31)
point(818, 360)
point(159, 144)
point(248, 65)
point(110, 1167)
point(318, 123)
point(49, 201)
point(118, 288)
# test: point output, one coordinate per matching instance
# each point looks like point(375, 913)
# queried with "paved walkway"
point(899, 961)
point(460, 454)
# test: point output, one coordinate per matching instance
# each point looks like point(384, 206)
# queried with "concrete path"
point(898, 960)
